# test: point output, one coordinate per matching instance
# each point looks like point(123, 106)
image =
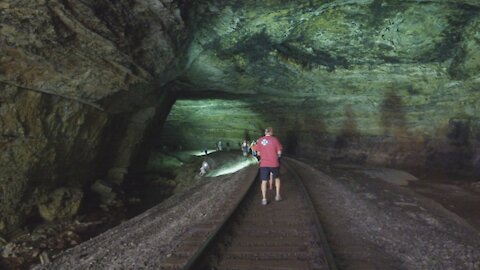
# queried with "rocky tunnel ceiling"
point(376, 81)
point(86, 86)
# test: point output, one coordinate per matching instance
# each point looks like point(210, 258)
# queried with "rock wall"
point(74, 76)
point(201, 123)
point(334, 130)
point(365, 81)
point(46, 142)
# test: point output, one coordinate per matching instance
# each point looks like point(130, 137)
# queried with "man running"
point(269, 149)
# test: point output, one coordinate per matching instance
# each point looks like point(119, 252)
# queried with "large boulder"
point(61, 203)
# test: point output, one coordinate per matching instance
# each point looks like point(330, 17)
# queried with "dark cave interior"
point(102, 102)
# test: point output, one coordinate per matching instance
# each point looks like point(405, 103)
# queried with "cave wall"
point(46, 142)
point(377, 82)
point(75, 79)
point(196, 124)
point(334, 130)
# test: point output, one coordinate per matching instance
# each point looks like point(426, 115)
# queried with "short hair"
point(268, 130)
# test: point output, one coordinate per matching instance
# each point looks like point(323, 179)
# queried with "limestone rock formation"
point(352, 81)
point(67, 69)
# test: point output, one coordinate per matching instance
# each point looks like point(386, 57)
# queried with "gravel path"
point(372, 224)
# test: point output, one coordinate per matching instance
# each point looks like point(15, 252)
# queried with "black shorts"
point(265, 173)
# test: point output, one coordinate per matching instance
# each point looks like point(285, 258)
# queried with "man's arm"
point(279, 148)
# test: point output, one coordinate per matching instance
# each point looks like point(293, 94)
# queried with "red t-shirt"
point(268, 146)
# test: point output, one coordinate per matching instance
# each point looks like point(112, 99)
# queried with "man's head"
point(269, 131)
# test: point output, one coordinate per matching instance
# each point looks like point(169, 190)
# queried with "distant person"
point(204, 168)
point(253, 148)
point(205, 150)
point(245, 148)
point(269, 149)
point(228, 146)
point(219, 145)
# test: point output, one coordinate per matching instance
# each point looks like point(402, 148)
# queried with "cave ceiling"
point(330, 47)
point(98, 52)
point(414, 63)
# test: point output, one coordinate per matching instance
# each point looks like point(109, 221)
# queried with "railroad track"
point(280, 235)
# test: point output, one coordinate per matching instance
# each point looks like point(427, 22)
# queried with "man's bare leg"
point(264, 190)
point(271, 181)
point(277, 186)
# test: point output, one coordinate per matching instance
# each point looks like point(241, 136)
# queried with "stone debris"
point(8, 250)
point(116, 175)
point(107, 195)
point(61, 203)
point(22, 248)
point(44, 259)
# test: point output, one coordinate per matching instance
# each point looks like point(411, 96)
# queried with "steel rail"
point(322, 235)
point(196, 258)
point(199, 259)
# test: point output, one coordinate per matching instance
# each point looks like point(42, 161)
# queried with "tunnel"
point(105, 106)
